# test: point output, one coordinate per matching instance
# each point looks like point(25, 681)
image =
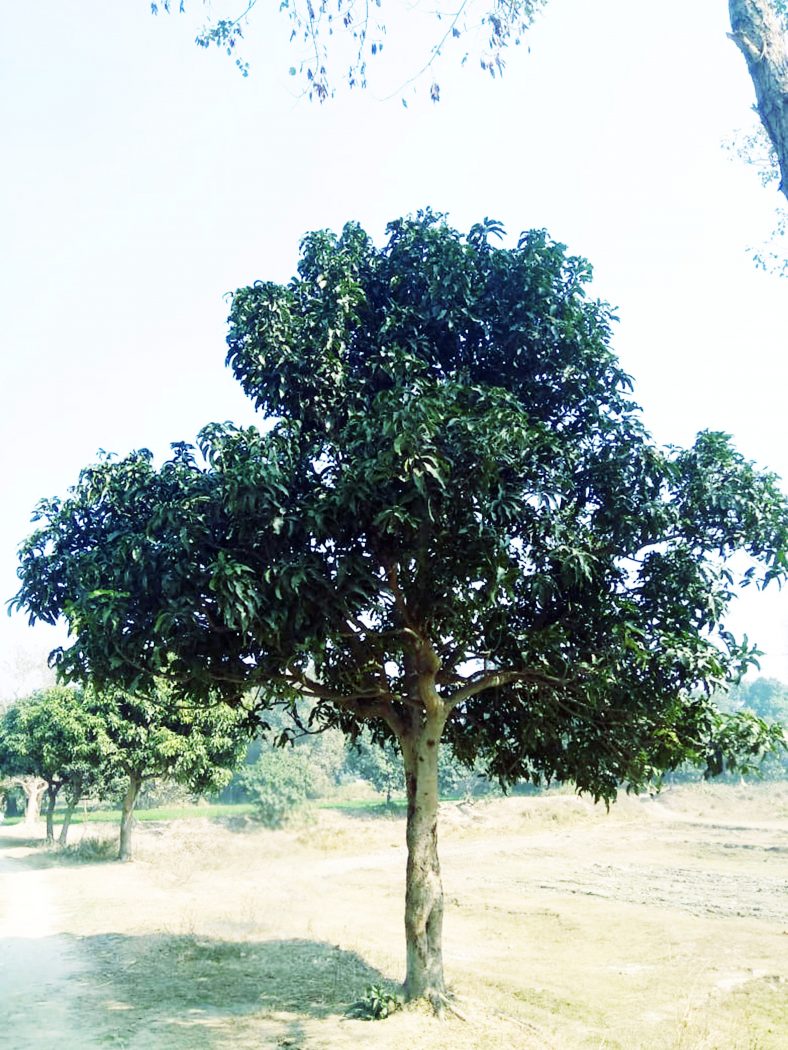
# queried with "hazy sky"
point(143, 178)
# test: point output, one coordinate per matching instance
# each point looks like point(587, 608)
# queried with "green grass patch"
point(216, 811)
point(111, 816)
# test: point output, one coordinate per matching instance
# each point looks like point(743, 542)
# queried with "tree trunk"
point(51, 793)
point(73, 795)
point(423, 887)
point(760, 32)
point(33, 788)
point(127, 816)
point(63, 837)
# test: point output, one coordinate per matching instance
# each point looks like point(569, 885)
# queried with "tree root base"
point(441, 1004)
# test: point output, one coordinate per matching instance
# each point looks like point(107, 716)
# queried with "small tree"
point(162, 736)
point(50, 736)
point(456, 530)
point(278, 782)
point(380, 765)
point(765, 697)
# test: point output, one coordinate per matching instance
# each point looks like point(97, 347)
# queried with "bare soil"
point(663, 924)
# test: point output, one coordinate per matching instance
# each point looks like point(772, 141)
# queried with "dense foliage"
point(455, 463)
point(153, 736)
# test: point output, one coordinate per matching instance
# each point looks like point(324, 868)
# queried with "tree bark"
point(51, 793)
point(423, 886)
point(73, 795)
point(33, 788)
point(68, 814)
point(760, 32)
point(127, 816)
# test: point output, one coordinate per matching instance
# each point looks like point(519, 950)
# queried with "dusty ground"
point(662, 925)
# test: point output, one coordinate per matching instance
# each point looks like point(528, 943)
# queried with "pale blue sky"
point(143, 178)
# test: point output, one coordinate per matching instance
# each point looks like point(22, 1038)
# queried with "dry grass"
point(663, 924)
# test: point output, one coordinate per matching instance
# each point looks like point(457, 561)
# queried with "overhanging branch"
point(760, 33)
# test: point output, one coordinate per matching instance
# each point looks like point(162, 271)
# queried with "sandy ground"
point(661, 925)
point(37, 964)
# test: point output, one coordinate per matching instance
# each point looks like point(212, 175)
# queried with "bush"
point(278, 782)
point(91, 851)
point(375, 1005)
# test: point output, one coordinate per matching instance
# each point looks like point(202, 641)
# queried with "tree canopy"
point(52, 735)
point(453, 527)
point(157, 736)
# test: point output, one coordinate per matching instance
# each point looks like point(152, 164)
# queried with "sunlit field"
point(661, 924)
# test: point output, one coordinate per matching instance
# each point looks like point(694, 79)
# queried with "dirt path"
point(39, 968)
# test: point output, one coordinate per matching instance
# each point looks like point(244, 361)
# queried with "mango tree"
point(162, 736)
point(453, 529)
point(50, 736)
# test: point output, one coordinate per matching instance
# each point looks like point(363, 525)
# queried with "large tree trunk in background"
point(33, 788)
point(127, 816)
point(761, 34)
point(423, 887)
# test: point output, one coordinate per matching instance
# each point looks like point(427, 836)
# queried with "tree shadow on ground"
point(17, 842)
point(160, 992)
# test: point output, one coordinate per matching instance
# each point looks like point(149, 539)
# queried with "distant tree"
point(278, 783)
point(456, 529)
point(380, 765)
point(31, 787)
point(163, 736)
point(49, 735)
point(457, 779)
point(765, 697)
